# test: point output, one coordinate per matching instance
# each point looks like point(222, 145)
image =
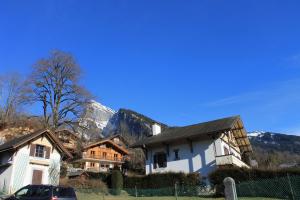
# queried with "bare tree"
point(54, 84)
point(12, 86)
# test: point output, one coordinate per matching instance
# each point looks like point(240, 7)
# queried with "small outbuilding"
point(34, 158)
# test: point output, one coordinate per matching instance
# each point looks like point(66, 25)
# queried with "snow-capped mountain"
point(256, 134)
point(277, 141)
point(98, 114)
point(275, 149)
point(94, 119)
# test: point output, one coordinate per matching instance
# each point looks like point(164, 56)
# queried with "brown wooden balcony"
point(101, 157)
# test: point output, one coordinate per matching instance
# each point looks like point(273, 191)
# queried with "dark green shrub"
point(116, 182)
point(243, 174)
point(162, 180)
point(92, 185)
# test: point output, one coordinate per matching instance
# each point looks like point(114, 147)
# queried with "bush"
point(243, 174)
point(99, 175)
point(116, 182)
point(162, 180)
point(96, 186)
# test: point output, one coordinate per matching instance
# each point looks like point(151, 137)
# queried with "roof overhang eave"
point(7, 149)
point(200, 136)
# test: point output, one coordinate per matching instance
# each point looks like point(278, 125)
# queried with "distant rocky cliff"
point(130, 124)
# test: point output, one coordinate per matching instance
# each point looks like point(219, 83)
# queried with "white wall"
point(202, 159)
point(5, 172)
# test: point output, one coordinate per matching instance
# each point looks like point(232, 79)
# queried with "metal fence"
point(174, 192)
point(287, 187)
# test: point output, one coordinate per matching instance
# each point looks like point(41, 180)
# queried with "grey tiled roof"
point(188, 132)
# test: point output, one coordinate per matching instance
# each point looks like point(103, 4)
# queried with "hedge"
point(243, 174)
point(162, 180)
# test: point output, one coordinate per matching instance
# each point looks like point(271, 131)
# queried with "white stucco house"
point(198, 148)
point(34, 158)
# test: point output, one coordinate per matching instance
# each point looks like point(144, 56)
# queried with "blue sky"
point(179, 62)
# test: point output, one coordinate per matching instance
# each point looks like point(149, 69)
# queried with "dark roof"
point(202, 129)
point(20, 141)
point(125, 151)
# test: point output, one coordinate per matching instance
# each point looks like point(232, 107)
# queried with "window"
point(61, 192)
point(92, 153)
point(115, 156)
point(92, 164)
point(104, 154)
point(226, 151)
point(160, 160)
point(39, 151)
point(24, 192)
point(41, 191)
point(176, 154)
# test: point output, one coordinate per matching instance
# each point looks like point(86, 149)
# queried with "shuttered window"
point(40, 151)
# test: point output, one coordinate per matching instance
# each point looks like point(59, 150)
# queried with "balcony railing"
point(101, 157)
point(230, 160)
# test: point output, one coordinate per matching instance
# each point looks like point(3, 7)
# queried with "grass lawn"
point(93, 196)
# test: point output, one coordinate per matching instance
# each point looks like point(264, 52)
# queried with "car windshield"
point(23, 192)
point(63, 192)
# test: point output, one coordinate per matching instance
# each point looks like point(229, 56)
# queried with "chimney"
point(156, 129)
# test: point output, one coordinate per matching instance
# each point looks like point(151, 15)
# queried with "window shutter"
point(32, 149)
point(48, 152)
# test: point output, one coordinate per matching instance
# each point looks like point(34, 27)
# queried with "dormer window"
point(39, 151)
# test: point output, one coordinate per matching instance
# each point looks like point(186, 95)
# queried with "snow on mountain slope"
point(256, 134)
point(275, 149)
point(95, 118)
point(98, 114)
point(278, 141)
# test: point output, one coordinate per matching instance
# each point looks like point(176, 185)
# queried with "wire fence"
point(174, 192)
point(287, 187)
point(278, 187)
